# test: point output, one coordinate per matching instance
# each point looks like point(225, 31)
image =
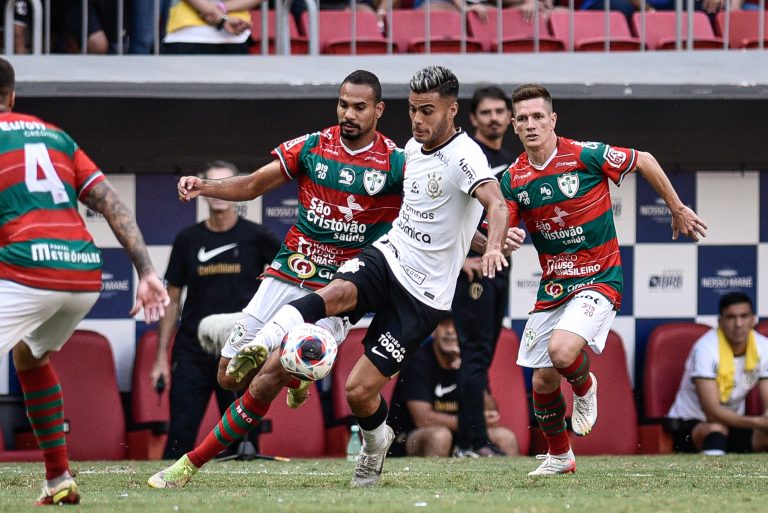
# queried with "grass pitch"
point(657, 484)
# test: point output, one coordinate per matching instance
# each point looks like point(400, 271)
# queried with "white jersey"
point(430, 238)
point(703, 362)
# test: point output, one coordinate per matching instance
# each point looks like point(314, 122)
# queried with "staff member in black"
point(219, 261)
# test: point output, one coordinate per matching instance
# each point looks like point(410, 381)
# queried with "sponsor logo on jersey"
point(293, 142)
point(352, 206)
point(373, 181)
point(566, 164)
point(45, 252)
point(568, 183)
point(433, 186)
point(565, 265)
point(346, 176)
point(554, 290)
point(588, 144)
point(351, 266)
point(464, 166)
point(413, 274)
point(545, 191)
point(302, 266)
point(440, 390)
point(615, 158)
point(529, 338)
point(523, 198)
point(390, 345)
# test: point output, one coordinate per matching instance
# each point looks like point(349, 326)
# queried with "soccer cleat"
point(370, 463)
point(487, 451)
point(297, 396)
point(248, 358)
point(63, 493)
point(585, 410)
point(175, 476)
point(555, 464)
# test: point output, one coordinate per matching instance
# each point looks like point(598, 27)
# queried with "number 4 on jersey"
point(36, 157)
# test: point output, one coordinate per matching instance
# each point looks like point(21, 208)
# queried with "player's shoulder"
point(191, 232)
point(762, 343)
point(708, 343)
point(388, 144)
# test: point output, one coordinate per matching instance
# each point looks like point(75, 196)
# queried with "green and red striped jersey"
point(43, 240)
point(566, 207)
point(347, 200)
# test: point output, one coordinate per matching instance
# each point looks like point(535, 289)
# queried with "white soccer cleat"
point(63, 493)
point(248, 358)
point(585, 410)
point(554, 465)
point(370, 463)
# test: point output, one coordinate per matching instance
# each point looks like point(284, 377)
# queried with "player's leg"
point(504, 439)
point(759, 440)
point(711, 438)
point(434, 441)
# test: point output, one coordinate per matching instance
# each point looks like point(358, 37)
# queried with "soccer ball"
point(308, 352)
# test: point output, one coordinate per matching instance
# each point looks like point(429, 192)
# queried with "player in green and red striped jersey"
point(350, 180)
point(559, 189)
point(50, 269)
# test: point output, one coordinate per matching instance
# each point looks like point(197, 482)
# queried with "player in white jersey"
point(724, 365)
point(407, 278)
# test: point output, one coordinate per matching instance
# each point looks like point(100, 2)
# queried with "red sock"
point(241, 418)
point(577, 374)
point(45, 410)
point(549, 410)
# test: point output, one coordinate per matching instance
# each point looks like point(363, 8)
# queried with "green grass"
point(657, 484)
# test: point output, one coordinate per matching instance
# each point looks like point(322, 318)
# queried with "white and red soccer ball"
point(308, 352)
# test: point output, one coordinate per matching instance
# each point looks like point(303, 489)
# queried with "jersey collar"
point(361, 150)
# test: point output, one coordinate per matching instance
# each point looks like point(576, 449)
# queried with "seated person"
point(425, 403)
point(723, 366)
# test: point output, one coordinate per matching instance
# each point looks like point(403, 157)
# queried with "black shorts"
point(739, 440)
point(400, 323)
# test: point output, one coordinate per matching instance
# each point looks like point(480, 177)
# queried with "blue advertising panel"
point(764, 206)
point(280, 209)
point(116, 298)
point(628, 267)
point(653, 217)
point(159, 212)
point(724, 269)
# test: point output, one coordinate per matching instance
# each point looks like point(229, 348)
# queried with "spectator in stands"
point(67, 22)
point(630, 6)
point(21, 22)
point(425, 405)
point(51, 268)
point(141, 28)
point(480, 303)
point(708, 414)
point(559, 188)
point(219, 261)
point(209, 26)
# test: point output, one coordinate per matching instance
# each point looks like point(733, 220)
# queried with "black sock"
point(311, 307)
point(375, 420)
point(715, 441)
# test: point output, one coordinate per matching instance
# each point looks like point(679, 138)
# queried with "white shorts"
point(588, 314)
point(272, 295)
point(43, 319)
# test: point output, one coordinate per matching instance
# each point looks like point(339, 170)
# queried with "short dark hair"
point(531, 92)
point(215, 164)
point(363, 77)
point(7, 78)
point(735, 298)
point(490, 91)
point(435, 78)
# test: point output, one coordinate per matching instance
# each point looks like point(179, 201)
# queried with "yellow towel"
point(726, 368)
point(182, 15)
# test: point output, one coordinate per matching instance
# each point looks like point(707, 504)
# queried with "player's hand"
point(493, 261)
point(189, 187)
point(685, 221)
point(152, 297)
point(514, 241)
point(160, 369)
point(473, 268)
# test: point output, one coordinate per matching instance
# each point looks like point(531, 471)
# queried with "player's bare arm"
point(513, 242)
point(709, 397)
point(684, 220)
point(236, 188)
point(489, 195)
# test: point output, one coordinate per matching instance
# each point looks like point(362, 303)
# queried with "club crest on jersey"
point(373, 181)
point(433, 186)
point(346, 176)
point(554, 290)
point(529, 338)
point(302, 266)
point(568, 183)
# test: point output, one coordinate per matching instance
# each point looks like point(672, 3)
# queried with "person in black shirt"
point(480, 303)
point(219, 261)
point(425, 403)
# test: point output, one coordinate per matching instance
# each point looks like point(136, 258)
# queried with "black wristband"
point(222, 21)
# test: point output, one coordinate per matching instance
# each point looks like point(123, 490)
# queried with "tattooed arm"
point(150, 294)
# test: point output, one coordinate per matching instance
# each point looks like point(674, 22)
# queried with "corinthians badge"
point(433, 186)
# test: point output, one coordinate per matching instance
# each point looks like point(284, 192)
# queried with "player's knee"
point(359, 395)
point(442, 441)
point(545, 381)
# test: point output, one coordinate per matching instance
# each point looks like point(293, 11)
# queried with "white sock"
point(53, 483)
point(376, 437)
point(273, 332)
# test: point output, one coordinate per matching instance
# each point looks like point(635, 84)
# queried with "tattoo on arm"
point(103, 199)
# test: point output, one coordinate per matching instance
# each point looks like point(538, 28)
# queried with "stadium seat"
point(18, 455)
point(150, 413)
point(335, 32)
point(589, 31)
point(507, 386)
point(762, 328)
point(294, 433)
point(666, 352)
point(92, 404)
point(516, 35)
point(409, 32)
point(299, 43)
point(661, 26)
point(754, 402)
point(211, 417)
point(742, 32)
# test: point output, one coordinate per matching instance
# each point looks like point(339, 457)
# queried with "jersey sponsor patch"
point(614, 157)
point(302, 266)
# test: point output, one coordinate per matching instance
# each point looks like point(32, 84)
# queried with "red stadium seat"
point(661, 26)
point(92, 404)
point(762, 328)
point(295, 433)
point(18, 455)
point(507, 386)
point(589, 31)
point(211, 417)
point(517, 33)
point(335, 32)
point(668, 348)
point(742, 30)
point(299, 43)
point(409, 32)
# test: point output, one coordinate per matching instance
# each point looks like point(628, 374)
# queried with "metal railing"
point(684, 35)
